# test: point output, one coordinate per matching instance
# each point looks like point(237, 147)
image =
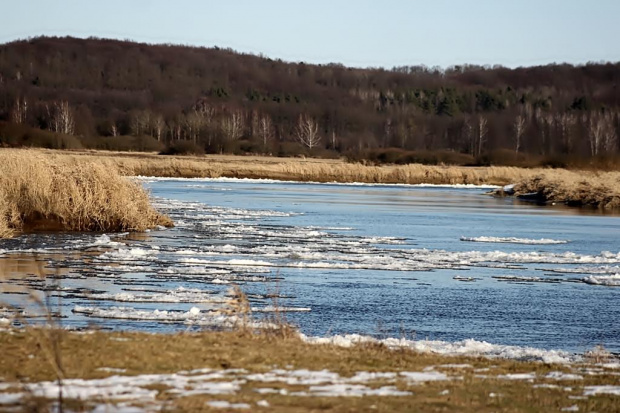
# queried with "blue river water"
point(439, 263)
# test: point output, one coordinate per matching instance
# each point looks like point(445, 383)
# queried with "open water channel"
point(438, 263)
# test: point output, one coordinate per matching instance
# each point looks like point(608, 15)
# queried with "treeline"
point(121, 95)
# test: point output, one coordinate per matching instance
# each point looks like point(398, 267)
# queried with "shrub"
point(183, 148)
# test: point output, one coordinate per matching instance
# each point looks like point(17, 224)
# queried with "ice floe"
point(514, 240)
point(194, 316)
point(608, 280)
point(178, 295)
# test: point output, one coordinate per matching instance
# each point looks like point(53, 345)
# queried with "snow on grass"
point(518, 376)
point(223, 404)
point(351, 390)
point(138, 389)
point(596, 390)
point(421, 377)
point(558, 375)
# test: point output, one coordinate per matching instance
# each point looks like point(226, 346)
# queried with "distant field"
point(299, 169)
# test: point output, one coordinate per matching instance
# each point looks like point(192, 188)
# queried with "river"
point(422, 262)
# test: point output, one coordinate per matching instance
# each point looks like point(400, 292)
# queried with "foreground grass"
point(28, 356)
point(52, 192)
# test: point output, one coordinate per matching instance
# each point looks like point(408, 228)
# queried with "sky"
point(360, 33)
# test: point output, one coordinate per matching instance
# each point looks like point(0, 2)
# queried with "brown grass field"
point(474, 384)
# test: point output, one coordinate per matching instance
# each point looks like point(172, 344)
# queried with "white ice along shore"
point(468, 347)
point(276, 181)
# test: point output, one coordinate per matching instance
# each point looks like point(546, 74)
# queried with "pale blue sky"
point(355, 33)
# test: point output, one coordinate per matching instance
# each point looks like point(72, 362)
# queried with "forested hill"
point(110, 92)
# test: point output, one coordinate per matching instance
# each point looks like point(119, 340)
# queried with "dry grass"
point(56, 192)
point(598, 189)
point(139, 353)
point(300, 169)
point(601, 189)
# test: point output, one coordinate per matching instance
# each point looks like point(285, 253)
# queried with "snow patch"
point(595, 390)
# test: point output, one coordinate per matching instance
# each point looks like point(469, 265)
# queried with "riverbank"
point(43, 191)
point(253, 372)
point(108, 208)
point(599, 189)
point(301, 169)
point(574, 188)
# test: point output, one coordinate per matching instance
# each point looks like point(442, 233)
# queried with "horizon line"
point(433, 68)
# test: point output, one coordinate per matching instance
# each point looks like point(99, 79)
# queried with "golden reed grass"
point(579, 187)
point(598, 189)
point(298, 169)
point(52, 191)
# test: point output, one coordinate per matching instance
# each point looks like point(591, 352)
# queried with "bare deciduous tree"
point(193, 124)
point(596, 129)
point(20, 111)
point(566, 121)
point(265, 130)
point(307, 131)
point(140, 122)
point(483, 129)
point(61, 118)
point(468, 133)
point(609, 133)
point(158, 126)
point(232, 126)
point(519, 126)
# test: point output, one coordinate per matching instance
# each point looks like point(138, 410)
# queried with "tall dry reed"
point(40, 190)
point(599, 189)
point(558, 185)
point(295, 169)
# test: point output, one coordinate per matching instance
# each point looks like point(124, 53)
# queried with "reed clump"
point(596, 189)
point(49, 192)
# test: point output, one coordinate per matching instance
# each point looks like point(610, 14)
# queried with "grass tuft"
point(48, 192)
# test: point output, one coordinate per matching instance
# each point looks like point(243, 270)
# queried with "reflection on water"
point(439, 263)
